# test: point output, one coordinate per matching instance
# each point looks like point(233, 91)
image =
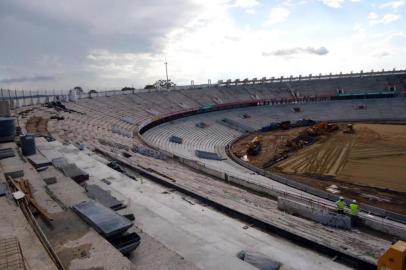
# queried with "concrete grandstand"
point(135, 128)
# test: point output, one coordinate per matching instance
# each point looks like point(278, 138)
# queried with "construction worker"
point(354, 210)
point(340, 205)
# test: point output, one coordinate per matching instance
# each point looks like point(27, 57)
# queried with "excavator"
point(394, 258)
point(254, 147)
point(349, 129)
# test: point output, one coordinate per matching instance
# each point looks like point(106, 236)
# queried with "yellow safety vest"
point(354, 209)
point(340, 205)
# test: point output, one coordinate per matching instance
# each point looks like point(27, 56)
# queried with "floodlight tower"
point(167, 78)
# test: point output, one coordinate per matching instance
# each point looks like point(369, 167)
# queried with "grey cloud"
point(297, 50)
point(27, 79)
point(54, 37)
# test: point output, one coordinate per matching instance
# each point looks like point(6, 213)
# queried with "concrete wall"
point(315, 213)
point(386, 227)
point(327, 217)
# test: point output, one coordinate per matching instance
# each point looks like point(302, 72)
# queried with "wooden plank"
point(24, 187)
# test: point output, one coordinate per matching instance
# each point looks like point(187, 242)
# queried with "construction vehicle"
point(394, 258)
point(254, 147)
point(349, 129)
point(310, 134)
point(332, 127)
point(321, 128)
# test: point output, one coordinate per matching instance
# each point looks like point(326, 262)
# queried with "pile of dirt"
point(38, 126)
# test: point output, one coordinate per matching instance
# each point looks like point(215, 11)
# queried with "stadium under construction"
point(242, 174)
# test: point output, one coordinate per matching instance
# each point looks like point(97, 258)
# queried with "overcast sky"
point(105, 44)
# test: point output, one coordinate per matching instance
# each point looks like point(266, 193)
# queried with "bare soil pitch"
point(369, 165)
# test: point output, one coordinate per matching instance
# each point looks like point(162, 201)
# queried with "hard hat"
point(341, 198)
point(354, 201)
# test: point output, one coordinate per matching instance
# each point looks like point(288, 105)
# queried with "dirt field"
point(369, 165)
point(374, 156)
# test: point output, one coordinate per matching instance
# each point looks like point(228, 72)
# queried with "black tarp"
point(102, 219)
point(176, 139)
point(6, 153)
point(74, 172)
point(104, 197)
